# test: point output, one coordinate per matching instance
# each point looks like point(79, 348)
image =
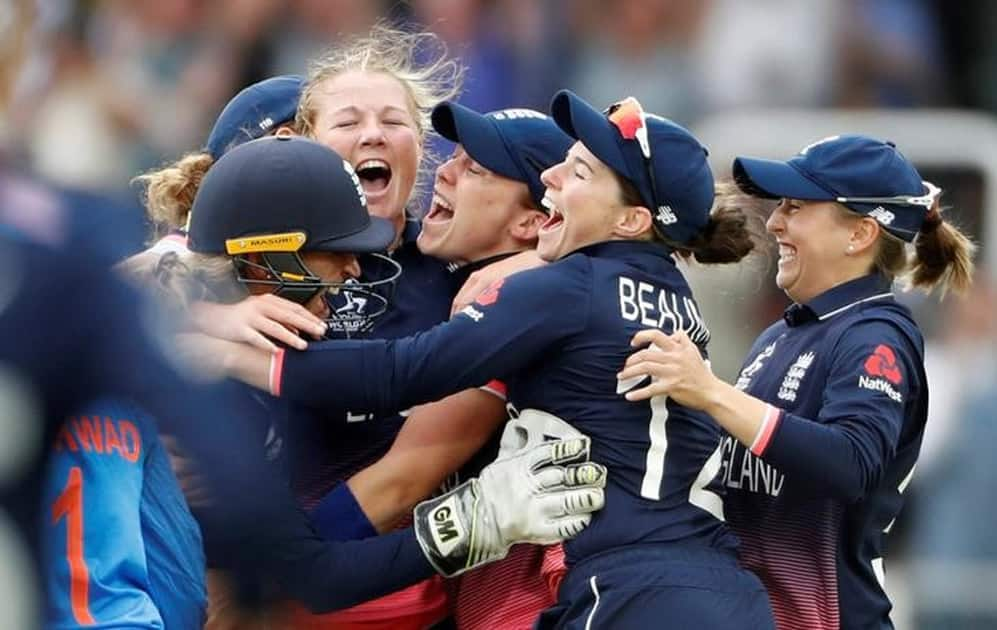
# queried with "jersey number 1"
point(70, 504)
point(654, 472)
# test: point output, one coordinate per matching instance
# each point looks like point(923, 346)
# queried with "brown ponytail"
point(170, 191)
point(943, 256)
point(734, 230)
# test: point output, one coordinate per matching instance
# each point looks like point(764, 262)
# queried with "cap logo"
point(266, 123)
point(807, 148)
point(666, 216)
point(356, 182)
point(882, 215)
point(283, 242)
point(517, 114)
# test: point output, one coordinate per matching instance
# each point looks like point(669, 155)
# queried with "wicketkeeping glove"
point(541, 495)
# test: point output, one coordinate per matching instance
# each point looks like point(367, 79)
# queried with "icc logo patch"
point(883, 363)
point(490, 295)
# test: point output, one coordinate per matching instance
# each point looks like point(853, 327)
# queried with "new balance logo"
point(266, 123)
point(473, 313)
point(882, 215)
point(666, 216)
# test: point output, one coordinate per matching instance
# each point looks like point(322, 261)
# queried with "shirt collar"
point(839, 299)
point(626, 249)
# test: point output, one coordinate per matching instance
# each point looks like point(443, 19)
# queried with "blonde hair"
point(942, 257)
point(419, 61)
point(180, 279)
point(170, 190)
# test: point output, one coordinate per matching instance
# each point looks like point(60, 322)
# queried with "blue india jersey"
point(121, 548)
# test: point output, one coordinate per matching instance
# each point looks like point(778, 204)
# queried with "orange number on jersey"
point(70, 505)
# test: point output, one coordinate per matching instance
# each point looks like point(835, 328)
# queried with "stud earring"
point(850, 249)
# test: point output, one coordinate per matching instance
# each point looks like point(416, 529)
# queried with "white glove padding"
point(533, 427)
point(541, 495)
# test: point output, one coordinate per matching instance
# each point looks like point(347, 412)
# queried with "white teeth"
point(786, 252)
point(443, 203)
point(547, 203)
point(373, 163)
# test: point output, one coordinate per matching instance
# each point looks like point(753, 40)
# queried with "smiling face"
point(585, 203)
point(368, 119)
point(814, 239)
point(476, 213)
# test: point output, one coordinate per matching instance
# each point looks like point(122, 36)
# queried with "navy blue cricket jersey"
point(331, 444)
point(557, 336)
point(814, 507)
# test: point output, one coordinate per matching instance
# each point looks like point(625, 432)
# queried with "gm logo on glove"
point(447, 531)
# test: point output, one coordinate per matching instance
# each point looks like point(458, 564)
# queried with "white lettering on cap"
point(666, 216)
point(882, 215)
point(517, 113)
point(805, 149)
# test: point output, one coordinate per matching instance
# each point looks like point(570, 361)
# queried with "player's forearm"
point(435, 441)
point(821, 456)
point(740, 414)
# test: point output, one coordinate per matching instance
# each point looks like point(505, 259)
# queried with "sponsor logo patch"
point(880, 385)
point(883, 363)
point(490, 295)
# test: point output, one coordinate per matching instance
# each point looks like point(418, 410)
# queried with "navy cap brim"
point(376, 237)
point(478, 135)
point(776, 180)
point(581, 121)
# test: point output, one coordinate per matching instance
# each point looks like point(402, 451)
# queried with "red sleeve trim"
point(773, 415)
point(497, 388)
point(276, 371)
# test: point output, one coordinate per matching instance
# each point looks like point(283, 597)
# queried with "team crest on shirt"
point(794, 376)
point(880, 373)
point(749, 371)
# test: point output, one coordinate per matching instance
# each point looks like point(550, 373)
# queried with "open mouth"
point(440, 211)
point(787, 253)
point(375, 175)
point(554, 217)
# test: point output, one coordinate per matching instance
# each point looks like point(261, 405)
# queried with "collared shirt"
point(814, 497)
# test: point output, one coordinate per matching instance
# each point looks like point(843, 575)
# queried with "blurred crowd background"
point(115, 87)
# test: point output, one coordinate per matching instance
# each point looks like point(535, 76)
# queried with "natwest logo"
point(883, 362)
point(880, 385)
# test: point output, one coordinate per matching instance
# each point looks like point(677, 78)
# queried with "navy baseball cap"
point(254, 112)
point(665, 162)
point(291, 193)
point(516, 143)
point(869, 176)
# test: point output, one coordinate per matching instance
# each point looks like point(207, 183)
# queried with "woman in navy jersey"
point(632, 192)
point(827, 415)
